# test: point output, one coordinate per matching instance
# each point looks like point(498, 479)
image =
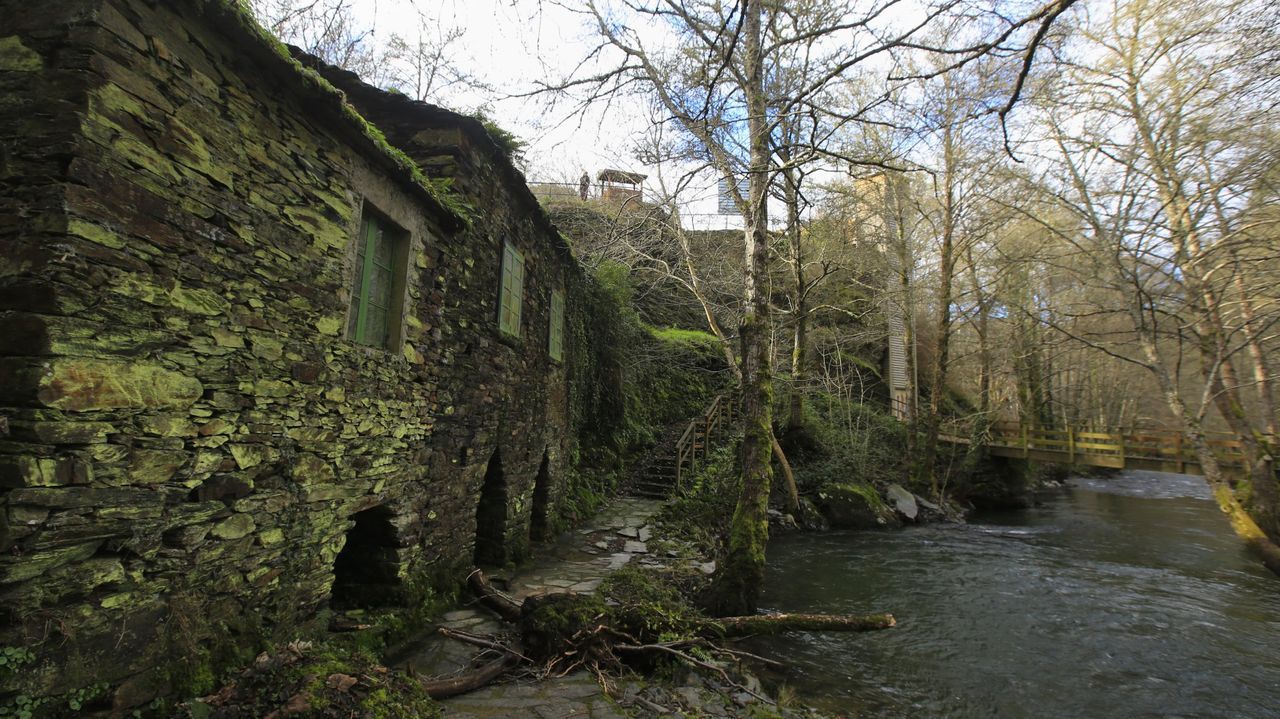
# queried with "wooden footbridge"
point(1156, 450)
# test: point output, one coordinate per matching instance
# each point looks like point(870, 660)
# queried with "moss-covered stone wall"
point(186, 432)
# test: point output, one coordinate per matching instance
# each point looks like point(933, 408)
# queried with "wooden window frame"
point(377, 229)
point(510, 290)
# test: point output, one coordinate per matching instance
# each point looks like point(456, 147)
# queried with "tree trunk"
point(470, 681)
point(1219, 371)
point(757, 624)
point(1210, 327)
point(1243, 524)
point(942, 325)
point(793, 493)
point(800, 312)
point(1266, 503)
point(493, 599)
point(1258, 358)
point(984, 349)
point(741, 574)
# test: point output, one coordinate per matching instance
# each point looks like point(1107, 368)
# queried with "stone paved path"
point(577, 562)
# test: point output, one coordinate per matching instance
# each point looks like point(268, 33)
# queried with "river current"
point(1126, 597)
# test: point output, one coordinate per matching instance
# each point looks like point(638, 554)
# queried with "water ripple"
point(1127, 597)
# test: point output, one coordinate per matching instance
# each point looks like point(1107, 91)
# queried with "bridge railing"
point(1080, 445)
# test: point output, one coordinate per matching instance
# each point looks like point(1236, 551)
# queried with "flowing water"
point(1124, 597)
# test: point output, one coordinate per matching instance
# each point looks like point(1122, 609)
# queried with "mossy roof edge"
point(436, 116)
point(233, 18)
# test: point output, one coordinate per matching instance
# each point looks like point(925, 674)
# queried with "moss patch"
point(854, 505)
point(313, 682)
point(16, 57)
point(80, 385)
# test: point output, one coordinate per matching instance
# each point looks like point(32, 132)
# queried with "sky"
point(513, 44)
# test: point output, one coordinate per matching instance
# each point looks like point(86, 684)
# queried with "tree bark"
point(981, 327)
point(799, 310)
point(942, 325)
point(740, 576)
point(1258, 357)
point(453, 686)
point(778, 623)
point(793, 492)
point(494, 600)
point(1244, 525)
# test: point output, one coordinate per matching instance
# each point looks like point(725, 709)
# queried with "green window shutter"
point(373, 313)
point(512, 290)
point(556, 345)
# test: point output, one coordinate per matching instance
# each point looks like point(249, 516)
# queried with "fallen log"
point(504, 606)
point(775, 623)
point(576, 630)
point(472, 680)
point(495, 600)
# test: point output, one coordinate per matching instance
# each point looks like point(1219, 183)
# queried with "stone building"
point(255, 358)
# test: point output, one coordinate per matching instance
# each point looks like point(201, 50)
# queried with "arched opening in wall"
point(491, 515)
point(541, 493)
point(366, 571)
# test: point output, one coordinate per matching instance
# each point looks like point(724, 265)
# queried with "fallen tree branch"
point(472, 680)
point(739, 655)
point(564, 631)
point(693, 661)
point(495, 600)
point(646, 704)
point(480, 641)
point(775, 623)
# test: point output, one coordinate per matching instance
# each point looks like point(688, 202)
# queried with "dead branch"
point(692, 661)
point(775, 623)
point(479, 641)
point(444, 688)
point(493, 599)
point(592, 642)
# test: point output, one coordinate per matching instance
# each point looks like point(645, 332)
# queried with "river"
point(1125, 597)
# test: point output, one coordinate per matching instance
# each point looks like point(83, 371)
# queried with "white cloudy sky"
point(511, 44)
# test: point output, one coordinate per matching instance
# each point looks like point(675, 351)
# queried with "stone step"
point(651, 493)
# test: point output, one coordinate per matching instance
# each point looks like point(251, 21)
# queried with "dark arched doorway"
point(366, 571)
point(491, 516)
point(541, 494)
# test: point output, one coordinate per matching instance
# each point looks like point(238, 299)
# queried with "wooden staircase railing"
point(696, 441)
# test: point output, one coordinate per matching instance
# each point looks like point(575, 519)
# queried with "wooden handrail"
point(702, 428)
point(1159, 445)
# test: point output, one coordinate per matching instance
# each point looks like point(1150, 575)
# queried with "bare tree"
point(1163, 141)
point(421, 64)
point(328, 29)
point(708, 71)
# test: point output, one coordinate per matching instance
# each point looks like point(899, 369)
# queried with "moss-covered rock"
point(854, 505)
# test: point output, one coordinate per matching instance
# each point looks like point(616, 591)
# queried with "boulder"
point(903, 501)
point(854, 506)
